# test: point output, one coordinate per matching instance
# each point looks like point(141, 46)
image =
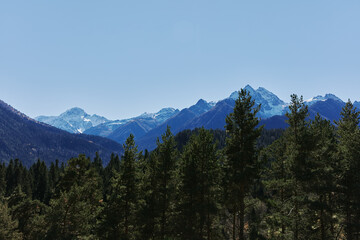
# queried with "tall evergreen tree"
point(8, 226)
point(322, 165)
point(18, 173)
point(110, 171)
point(77, 203)
point(198, 196)
point(120, 212)
point(10, 182)
point(97, 164)
point(40, 180)
point(2, 179)
point(54, 177)
point(148, 198)
point(26, 210)
point(349, 183)
point(298, 147)
point(241, 152)
point(278, 185)
point(166, 156)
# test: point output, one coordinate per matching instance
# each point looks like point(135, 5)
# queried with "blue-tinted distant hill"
point(26, 139)
point(149, 126)
point(177, 123)
point(215, 119)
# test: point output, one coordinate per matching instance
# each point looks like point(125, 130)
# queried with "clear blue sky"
point(121, 58)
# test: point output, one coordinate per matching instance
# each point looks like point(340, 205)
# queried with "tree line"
point(301, 183)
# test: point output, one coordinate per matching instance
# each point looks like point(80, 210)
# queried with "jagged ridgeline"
point(28, 140)
point(147, 127)
point(243, 183)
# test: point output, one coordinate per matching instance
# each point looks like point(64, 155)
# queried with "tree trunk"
point(242, 214)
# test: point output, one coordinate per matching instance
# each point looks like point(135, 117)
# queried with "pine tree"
point(298, 147)
point(77, 203)
point(40, 181)
point(349, 183)
point(119, 215)
point(98, 166)
point(18, 173)
point(241, 152)
point(322, 165)
point(2, 179)
point(110, 171)
point(199, 187)
point(8, 226)
point(278, 185)
point(54, 177)
point(10, 182)
point(166, 156)
point(148, 199)
point(26, 210)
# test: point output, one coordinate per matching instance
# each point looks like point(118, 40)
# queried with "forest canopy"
point(242, 183)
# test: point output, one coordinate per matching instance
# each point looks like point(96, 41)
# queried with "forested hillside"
point(244, 183)
point(28, 140)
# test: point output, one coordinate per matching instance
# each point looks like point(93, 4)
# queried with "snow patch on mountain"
point(271, 105)
point(148, 119)
point(74, 120)
point(318, 98)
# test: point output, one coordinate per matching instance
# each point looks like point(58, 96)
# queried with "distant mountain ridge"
point(271, 105)
point(148, 126)
point(74, 120)
point(28, 140)
point(119, 130)
point(272, 114)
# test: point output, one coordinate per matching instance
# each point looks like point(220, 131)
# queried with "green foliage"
point(40, 181)
point(199, 190)
point(166, 156)
point(8, 226)
point(149, 214)
point(277, 179)
point(75, 208)
point(241, 166)
point(28, 212)
point(322, 173)
point(242, 183)
point(109, 172)
point(120, 211)
point(2, 179)
point(298, 147)
point(349, 174)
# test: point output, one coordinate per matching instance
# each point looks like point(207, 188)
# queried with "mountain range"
point(149, 126)
point(28, 140)
point(74, 120)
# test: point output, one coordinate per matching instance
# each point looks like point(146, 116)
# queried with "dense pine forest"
point(242, 183)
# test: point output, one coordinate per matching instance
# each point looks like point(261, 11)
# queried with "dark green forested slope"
point(301, 183)
point(28, 140)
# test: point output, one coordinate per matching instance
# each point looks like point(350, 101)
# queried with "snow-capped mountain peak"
point(74, 120)
point(318, 98)
point(75, 111)
point(269, 96)
point(165, 113)
point(159, 116)
point(270, 104)
point(234, 95)
point(249, 88)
